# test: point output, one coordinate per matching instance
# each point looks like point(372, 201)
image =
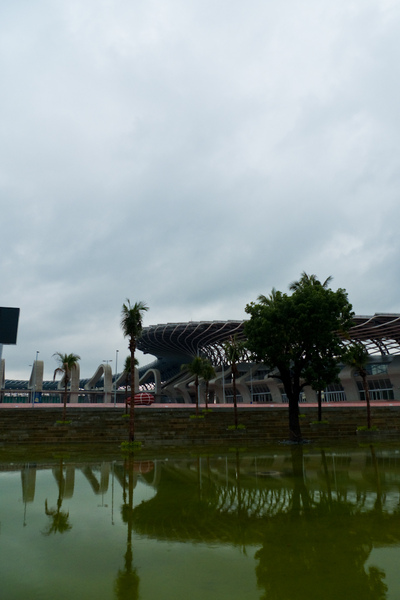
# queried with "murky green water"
point(280, 524)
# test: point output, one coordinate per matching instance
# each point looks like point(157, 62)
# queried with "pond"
point(276, 524)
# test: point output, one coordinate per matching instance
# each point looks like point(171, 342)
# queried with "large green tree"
point(296, 334)
point(325, 367)
point(66, 363)
point(132, 325)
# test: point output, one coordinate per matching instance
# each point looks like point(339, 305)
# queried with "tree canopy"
point(297, 336)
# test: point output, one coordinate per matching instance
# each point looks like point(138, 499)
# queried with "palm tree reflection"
point(58, 518)
point(127, 582)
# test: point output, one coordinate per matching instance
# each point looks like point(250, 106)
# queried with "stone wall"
point(160, 427)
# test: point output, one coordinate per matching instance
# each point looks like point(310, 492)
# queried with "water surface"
point(277, 524)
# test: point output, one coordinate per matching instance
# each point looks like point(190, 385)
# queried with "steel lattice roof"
point(379, 333)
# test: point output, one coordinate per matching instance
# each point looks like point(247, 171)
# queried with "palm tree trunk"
point(234, 396)
point(132, 408)
point(128, 376)
point(65, 402)
point(126, 395)
point(197, 394)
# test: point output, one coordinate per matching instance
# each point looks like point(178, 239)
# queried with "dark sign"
point(8, 325)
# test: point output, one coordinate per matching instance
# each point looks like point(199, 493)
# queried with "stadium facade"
point(175, 344)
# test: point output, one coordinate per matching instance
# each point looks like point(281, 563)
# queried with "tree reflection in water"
point(127, 582)
point(314, 517)
point(58, 518)
point(303, 551)
point(315, 535)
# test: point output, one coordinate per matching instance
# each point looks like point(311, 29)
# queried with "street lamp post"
point(34, 378)
point(104, 377)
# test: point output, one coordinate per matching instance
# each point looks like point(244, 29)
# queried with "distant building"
point(175, 344)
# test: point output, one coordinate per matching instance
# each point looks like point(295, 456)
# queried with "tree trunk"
point(292, 390)
point(126, 394)
point(367, 398)
point(206, 395)
point(319, 395)
point(294, 423)
point(234, 395)
point(65, 403)
point(132, 347)
point(196, 383)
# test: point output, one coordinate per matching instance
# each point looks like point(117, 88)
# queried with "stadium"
point(176, 344)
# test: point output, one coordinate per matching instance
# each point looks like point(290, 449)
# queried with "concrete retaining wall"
point(160, 427)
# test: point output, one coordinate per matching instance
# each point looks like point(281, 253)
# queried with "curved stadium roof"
point(175, 343)
point(379, 333)
point(184, 340)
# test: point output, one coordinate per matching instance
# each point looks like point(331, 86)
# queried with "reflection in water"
point(58, 518)
point(98, 487)
point(127, 582)
point(307, 546)
point(310, 517)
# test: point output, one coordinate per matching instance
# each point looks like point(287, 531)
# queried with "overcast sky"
point(192, 154)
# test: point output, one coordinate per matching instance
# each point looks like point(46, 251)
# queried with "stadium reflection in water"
point(294, 522)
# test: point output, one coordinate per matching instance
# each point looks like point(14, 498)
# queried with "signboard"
point(8, 325)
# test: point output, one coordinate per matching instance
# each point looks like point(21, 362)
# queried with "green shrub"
point(130, 447)
point(365, 428)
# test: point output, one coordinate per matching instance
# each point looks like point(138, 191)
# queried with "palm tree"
point(234, 351)
point(306, 280)
point(66, 363)
point(357, 357)
point(195, 368)
point(268, 300)
point(132, 325)
point(208, 373)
